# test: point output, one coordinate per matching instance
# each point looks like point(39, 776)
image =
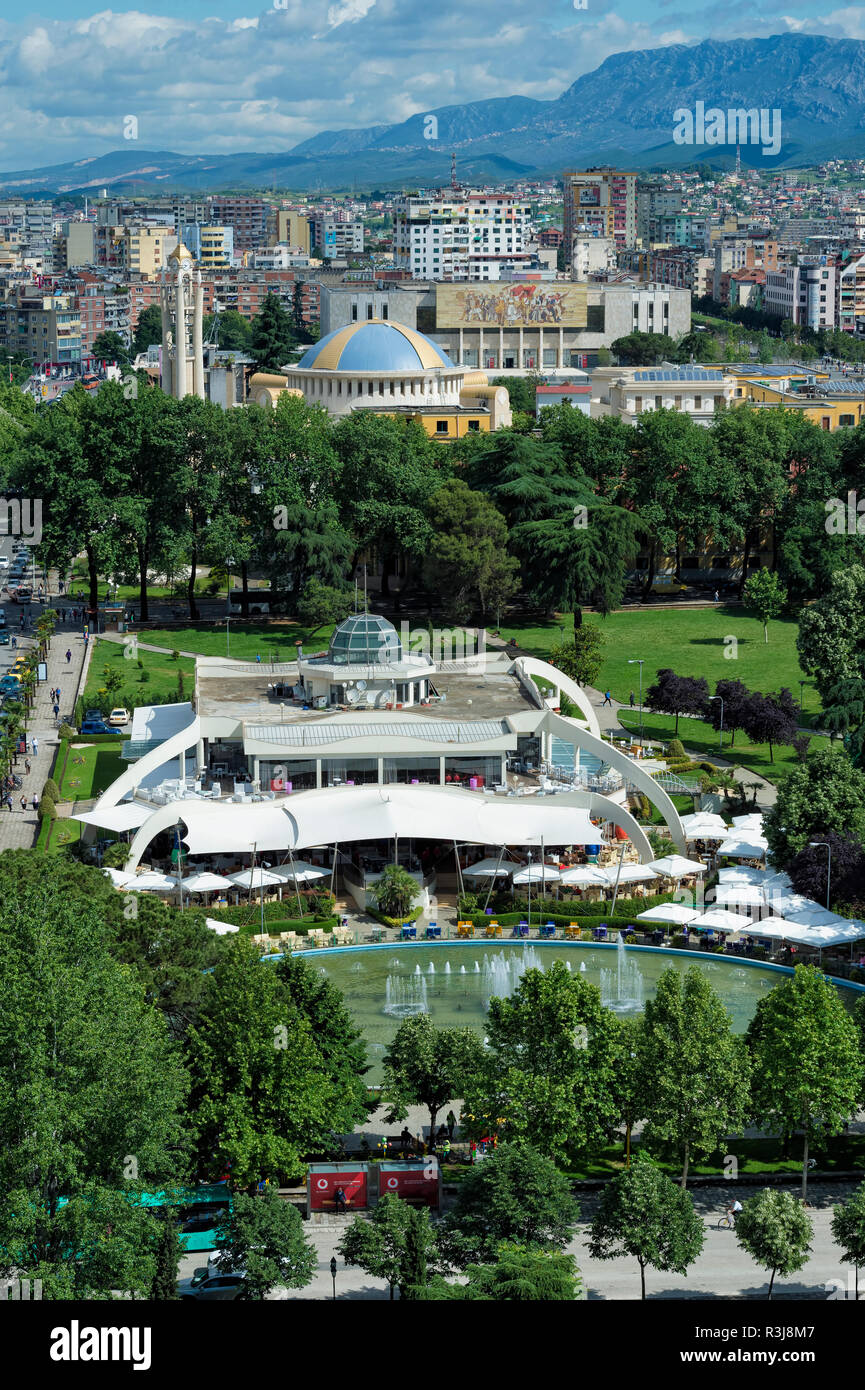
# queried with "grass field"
point(692, 641)
point(272, 641)
point(89, 770)
point(161, 672)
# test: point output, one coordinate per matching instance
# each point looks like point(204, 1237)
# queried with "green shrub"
point(66, 731)
point(630, 939)
point(47, 810)
point(175, 655)
point(51, 791)
point(680, 942)
point(675, 749)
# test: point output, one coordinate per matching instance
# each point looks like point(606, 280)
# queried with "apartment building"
point(849, 293)
point(211, 247)
point(804, 293)
point(77, 244)
point(101, 309)
point(592, 255)
point(602, 202)
point(332, 238)
point(457, 235)
point(47, 328)
point(146, 248)
point(292, 227)
point(247, 216)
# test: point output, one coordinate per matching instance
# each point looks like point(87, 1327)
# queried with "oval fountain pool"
point(453, 981)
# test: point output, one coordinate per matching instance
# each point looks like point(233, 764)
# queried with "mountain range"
point(621, 114)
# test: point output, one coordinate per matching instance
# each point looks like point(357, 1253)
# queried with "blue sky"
point(214, 77)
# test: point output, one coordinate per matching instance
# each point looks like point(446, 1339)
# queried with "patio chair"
point(465, 929)
point(433, 931)
point(548, 929)
point(572, 932)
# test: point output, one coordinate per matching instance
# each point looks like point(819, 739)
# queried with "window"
point(369, 311)
point(474, 424)
point(845, 421)
point(638, 404)
point(441, 427)
point(659, 402)
point(354, 313)
point(698, 402)
point(384, 311)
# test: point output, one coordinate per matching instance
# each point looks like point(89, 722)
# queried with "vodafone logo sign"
point(393, 1182)
point(322, 1184)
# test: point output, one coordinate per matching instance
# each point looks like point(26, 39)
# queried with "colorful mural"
point(528, 304)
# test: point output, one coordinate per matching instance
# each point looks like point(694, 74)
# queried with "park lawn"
point(123, 592)
point(701, 740)
point(160, 670)
point(692, 642)
point(90, 769)
point(841, 1153)
point(246, 640)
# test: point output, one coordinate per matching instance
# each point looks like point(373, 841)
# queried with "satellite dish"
point(361, 685)
point(370, 697)
point(352, 697)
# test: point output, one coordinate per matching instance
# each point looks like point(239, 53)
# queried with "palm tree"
point(395, 891)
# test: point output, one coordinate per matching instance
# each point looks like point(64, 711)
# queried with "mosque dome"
point(375, 345)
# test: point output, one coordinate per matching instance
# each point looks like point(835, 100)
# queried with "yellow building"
point(146, 249)
point(215, 248)
point(293, 227)
point(829, 404)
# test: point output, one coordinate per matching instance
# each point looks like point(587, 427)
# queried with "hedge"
point(395, 922)
point(553, 907)
point(273, 912)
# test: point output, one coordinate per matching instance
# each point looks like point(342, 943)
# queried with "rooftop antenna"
point(738, 162)
point(454, 184)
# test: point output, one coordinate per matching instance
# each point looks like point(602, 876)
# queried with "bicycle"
point(727, 1222)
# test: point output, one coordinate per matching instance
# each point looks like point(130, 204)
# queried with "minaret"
point(182, 304)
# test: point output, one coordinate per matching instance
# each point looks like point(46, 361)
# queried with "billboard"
point(415, 1182)
point(324, 1178)
point(526, 304)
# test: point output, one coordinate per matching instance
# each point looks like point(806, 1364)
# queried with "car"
point(211, 1287)
point(118, 716)
point(4, 637)
point(4, 562)
point(10, 686)
point(93, 726)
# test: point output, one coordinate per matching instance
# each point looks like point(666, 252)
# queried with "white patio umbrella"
point(301, 871)
point(719, 919)
point(630, 873)
point(537, 873)
point(742, 873)
point(704, 825)
point(752, 822)
point(585, 876)
point(745, 846)
point(668, 912)
point(490, 868)
point(740, 895)
point(677, 866)
point(152, 883)
point(221, 928)
point(119, 879)
point(205, 882)
point(255, 878)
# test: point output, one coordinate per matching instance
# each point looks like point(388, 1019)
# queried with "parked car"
point(4, 562)
point(211, 1287)
point(9, 685)
point(119, 716)
point(4, 637)
point(95, 726)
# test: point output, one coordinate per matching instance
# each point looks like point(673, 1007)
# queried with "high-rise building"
point(460, 235)
point(601, 202)
point(332, 238)
point(248, 217)
point(293, 229)
point(804, 293)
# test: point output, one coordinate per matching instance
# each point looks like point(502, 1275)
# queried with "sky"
point(219, 76)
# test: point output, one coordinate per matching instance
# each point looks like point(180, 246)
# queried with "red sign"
point(324, 1179)
point(415, 1182)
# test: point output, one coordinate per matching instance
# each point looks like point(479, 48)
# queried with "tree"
point(425, 1065)
point(825, 793)
point(322, 604)
point(644, 349)
point(169, 953)
point(467, 551)
point(695, 1071)
point(848, 1231)
point(550, 1062)
point(516, 1194)
point(831, 640)
point(672, 694)
point(764, 348)
point(148, 330)
point(770, 719)
point(775, 1231)
point(394, 1243)
point(110, 347)
point(645, 1215)
point(809, 870)
point(168, 1253)
point(764, 595)
point(395, 891)
point(272, 336)
point(581, 659)
point(262, 1238)
point(735, 696)
point(807, 1068)
point(233, 331)
point(517, 1276)
point(306, 543)
point(339, 1041)
point(418, 1238)
point(578, 556)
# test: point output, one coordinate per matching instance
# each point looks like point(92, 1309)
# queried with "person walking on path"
point(451, 1123)
point(23, 804)
point(631, 697)
point(35, 803)
point(34, 743)
point(8, 802)
point(27, 766)
point(607, 699)
point(68, 655)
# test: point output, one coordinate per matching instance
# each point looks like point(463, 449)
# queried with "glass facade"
point(348, 771)
point(408, 770)
point(299, 772)
point(365, 640)
point(487, 771)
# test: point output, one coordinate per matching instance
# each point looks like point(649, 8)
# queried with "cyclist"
point(733, 1210)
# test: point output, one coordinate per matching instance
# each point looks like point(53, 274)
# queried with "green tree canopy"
point(764, 595)
point(467, 557)
point(426, 1065)
point(645, 1215)
point(824, 793)
point(389, 1243)
point(263, 1238)
point(775, 1231)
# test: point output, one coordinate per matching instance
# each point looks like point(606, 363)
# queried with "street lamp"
point(638, 661)
point(814, 844)
point(229, 562)
point(721, 730)
point(333, 1274)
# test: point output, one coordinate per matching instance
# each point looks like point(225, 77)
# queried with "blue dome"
point(375, 346)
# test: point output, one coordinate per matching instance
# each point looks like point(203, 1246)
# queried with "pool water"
point(452, 982)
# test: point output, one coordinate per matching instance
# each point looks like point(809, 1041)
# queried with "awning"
point(491, 868)
point(221, 928)
point(585, 876)
point(537, 873)
point(205, 882)
point(256, 878)
point(152, 883)
point(129, 815)
point(817, 937)
point(740, 895)
point(704, 825)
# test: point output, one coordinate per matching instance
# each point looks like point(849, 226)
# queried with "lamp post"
point(229, 562)
point(721, 729)
point(530, 890)
point(333, 1274)
point(638, 661)
point(825, 843)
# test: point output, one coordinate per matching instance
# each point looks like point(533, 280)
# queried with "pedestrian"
point(451, 1123)
point(27, 766)
point(717, 596)
point(23, 804)
point(56, 709)
point(631, 698)
point(446, 1151)
point(35, 745)
point(607, 699)
point(8, 801)
point(68, 655)
point(339, 1201)
point(35, 802)
point(258, 657)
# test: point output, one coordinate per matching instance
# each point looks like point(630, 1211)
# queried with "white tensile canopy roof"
point(345, 814)
point(668, 912)
point(221, 928)
point(677, 866)
point(128, 815)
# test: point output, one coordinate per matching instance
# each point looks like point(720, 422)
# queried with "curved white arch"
point(533, 667)
point(178, 743)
